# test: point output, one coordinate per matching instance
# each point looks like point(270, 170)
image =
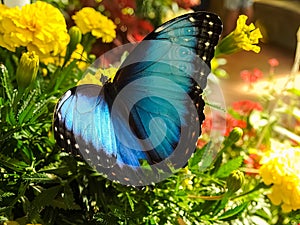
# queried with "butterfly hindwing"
point(82, 124)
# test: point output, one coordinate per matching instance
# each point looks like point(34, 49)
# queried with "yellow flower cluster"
point(244, 37)
point(280, 167)
point(90, 20)
point(78, 54)
point(39, 27)
point(247, 36)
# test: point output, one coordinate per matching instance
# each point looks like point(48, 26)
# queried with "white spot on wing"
point(61, 137)
point(192, 19)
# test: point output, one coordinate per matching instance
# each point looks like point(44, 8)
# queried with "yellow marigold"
point(39, 27)
point(244, 37)
point(2, 8)
point(96, 79)
point(280, 167)
point(90, 20)
point(90, 79)
point(78, 54)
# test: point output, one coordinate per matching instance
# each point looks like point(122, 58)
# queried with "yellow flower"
point(171, 14)
point(9, 39)
point(11, 223)
point(90, 20)
point(109, 73)
point(39, 27)
point(96, 79)
point(280, 167)
point(244, 37)
point(79, 54)
point(90, 79)
point(2, 8)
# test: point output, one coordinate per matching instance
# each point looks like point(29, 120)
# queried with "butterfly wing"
point(83, 126)
point(153, 109)
point(159, 79)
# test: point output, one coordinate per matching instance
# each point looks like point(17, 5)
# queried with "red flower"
point(186, 4)
point(245, 107)
point(231, 123)
point(217, 124)
point(206, 125)
point(251, 76)
point(252, 163)
point(200, 143)
point(273, 62)
point(138, 30)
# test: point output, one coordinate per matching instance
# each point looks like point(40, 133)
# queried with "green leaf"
point(44, 198)
point(295, 91)
point(227, 168)
point(27, 107)
point(68, 196)
point(10, 117)
point(40, 178)
point(6, 83)
point(66, 71)
point(197, 156)
point(233, 213)
point(13, 164)
point(201, 159)
point(6, 195)
point(40, 108)
point(130, 202)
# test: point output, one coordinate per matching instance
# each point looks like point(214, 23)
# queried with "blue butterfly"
point(142, 125)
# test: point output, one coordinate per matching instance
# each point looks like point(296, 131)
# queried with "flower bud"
point(235, 181)
point(75, 37)
point(27, 69)
point(235, 135)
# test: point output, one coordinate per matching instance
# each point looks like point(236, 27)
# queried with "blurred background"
point(278, 21)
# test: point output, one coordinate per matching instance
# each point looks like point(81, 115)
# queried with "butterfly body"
point(152, 110)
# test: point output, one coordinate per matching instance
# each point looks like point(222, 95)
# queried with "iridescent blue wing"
point(83, 126)
point(164, 77)
point(152, 112)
